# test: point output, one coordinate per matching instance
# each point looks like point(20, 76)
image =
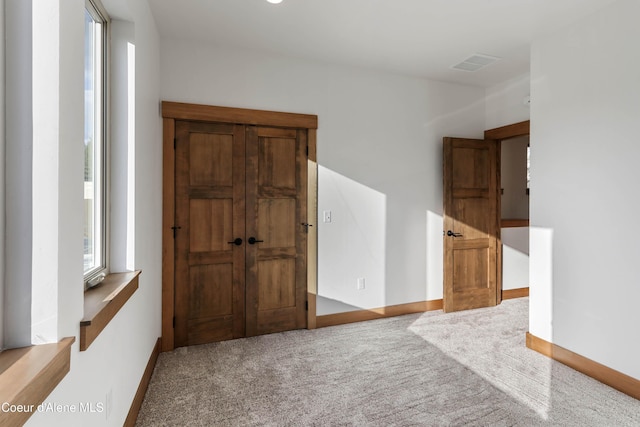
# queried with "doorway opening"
point(514, 207)
point(472, 215)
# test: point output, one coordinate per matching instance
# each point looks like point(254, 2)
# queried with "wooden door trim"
point(498, 220)
point(168, 242)
point(171, 111)
point(302, 211)
point(312, 235)
point(209, 113)
point(509, 131)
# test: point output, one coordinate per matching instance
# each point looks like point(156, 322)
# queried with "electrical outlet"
point(360, 283)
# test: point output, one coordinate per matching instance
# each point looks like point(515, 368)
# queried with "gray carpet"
point(462, 369)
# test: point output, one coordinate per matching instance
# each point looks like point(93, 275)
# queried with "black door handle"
point(452, 234)
point(253, 241)
point(237, 242)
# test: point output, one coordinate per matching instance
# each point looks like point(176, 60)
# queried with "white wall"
point(41, 170)
point(504, 106)
point(505, 102)
point(18, 162)
point(123, 144)
point(109, 372)
point(379, 151)
point(2, 163)
point(515, 257)
point(585, 105)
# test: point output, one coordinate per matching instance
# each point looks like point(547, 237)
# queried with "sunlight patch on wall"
point(45, 158)
point(541, 283)
point(122, 146)
point(131, 156)
point(351, 243)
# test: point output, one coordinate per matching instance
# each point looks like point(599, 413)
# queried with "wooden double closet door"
point(240, 230)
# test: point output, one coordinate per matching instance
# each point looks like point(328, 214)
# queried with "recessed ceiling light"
point(274, 1)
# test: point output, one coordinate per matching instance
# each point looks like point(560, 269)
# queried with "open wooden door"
point(471, 224)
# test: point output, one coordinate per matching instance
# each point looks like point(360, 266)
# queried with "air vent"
point(475, 62)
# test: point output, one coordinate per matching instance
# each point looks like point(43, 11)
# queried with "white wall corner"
point(3, 166)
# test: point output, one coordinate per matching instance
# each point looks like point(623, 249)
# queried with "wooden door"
point(210, 215)
point(240, 251)
point(276, 217)
point(471, 223)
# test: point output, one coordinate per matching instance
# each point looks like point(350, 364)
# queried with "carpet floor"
point(468, 368)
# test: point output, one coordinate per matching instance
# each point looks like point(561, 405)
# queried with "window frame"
point(99, 14)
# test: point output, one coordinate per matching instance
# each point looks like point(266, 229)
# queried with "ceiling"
point(421, 38)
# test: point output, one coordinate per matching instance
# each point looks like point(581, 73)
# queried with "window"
point(95, 142)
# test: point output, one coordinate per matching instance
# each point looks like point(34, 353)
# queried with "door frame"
point(499, 134)
point(172, 111)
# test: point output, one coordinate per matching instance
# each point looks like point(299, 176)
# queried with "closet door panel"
point(210, 215)
point(276, 212)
